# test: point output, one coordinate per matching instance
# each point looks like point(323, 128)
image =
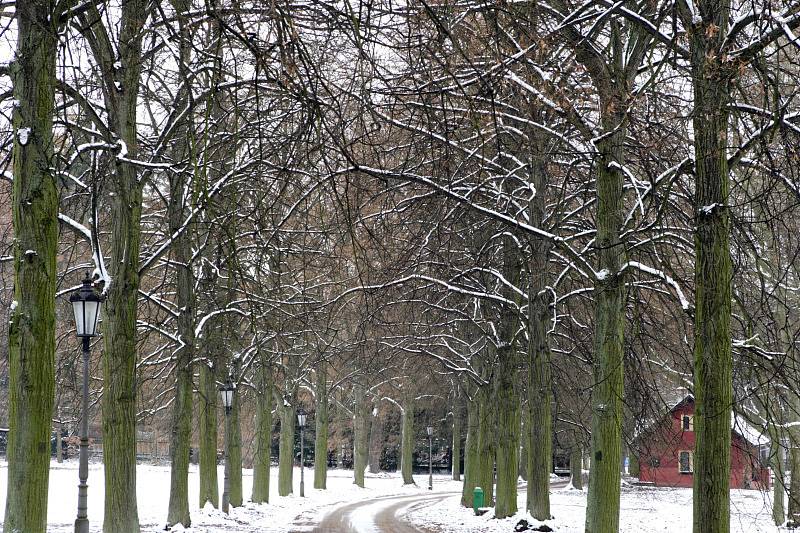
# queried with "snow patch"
point(708, 209)
point(603, 274)
point(23, 135)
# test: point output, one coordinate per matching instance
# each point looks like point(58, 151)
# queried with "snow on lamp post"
point(301, 421)
point(86, 306)
point(430, 457)
point(226, 391)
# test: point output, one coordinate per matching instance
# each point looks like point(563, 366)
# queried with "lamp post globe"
point(86, 302)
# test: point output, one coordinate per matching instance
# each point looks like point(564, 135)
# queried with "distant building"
point(666, 451)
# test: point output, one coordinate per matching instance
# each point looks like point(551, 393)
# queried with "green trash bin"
point(477, 499)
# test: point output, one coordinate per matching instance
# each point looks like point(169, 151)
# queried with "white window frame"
point(691, 462)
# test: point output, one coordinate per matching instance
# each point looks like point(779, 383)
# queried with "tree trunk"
point(207, 435)
point(486, 444)
point(776, 463)
point(321, 427)
point(286, 449)
point(361, 426)
point(575, 460)
point(456, 453)
point(524, 443)
point(375, 445)
point(120, 90)
point(539, 436)
point(407, 443)
point(507, 432)
point(471, 458)
point(235, 440)
point(178, 509)
point(602, 511)
point(32, 317)
point(634, 470)
point(793, 517)
point(713, 364)
point(263, 436)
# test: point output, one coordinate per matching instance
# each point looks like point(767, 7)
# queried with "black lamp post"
point(430, 457)
point(301, 421)
point(226, 391)
point(86, 306)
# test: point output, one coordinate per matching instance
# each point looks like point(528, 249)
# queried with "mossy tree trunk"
point(471, 458)
point(263, 436)
point(120, 77)
point(235, 440)
point(286, 447)
point(793, 512)
point(321, 428)
point(486, 443)
point(540, 424)
point(207, 435)
point(361, 428)
point(713, 364)
point(407, 441)
point(178, 509)
point(506, 437)
point(524, 442)
point(456, 454)
point(602, 513)
point(35, 219)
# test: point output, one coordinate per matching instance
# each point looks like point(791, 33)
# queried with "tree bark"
point(713, 364)
point(375, 444)
point(486, 444)
point(32, 318)
point(575, 470)
point(263, 437)
point(321, 427)
point(361, 427)
point(286, 448)
point(207, 435)
point(506, 437)
point(471, 458)
point(121, 89)
point(456, 453)
point(602, 511)
point(407, 442)
point(235, 441)
point(178, 508)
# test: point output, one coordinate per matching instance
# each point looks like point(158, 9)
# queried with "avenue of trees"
point(533, 225)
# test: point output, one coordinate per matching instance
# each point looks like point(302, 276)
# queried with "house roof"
point(739, 425)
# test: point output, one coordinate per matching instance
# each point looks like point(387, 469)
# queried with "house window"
point(687, 423)
point(685, 462)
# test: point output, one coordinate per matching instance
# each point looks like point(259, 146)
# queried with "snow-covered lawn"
point(152, 492)
point(644, 509)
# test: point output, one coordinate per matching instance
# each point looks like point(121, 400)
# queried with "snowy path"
point(379, 514)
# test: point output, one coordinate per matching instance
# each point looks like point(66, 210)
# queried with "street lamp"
point(430, 457)
point(301, 421)
point(86, 306)
point(226, 391)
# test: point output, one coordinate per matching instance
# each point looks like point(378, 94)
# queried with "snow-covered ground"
point(644, 509)
point(281, 514)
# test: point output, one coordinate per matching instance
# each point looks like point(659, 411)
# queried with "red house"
point(666, 451)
